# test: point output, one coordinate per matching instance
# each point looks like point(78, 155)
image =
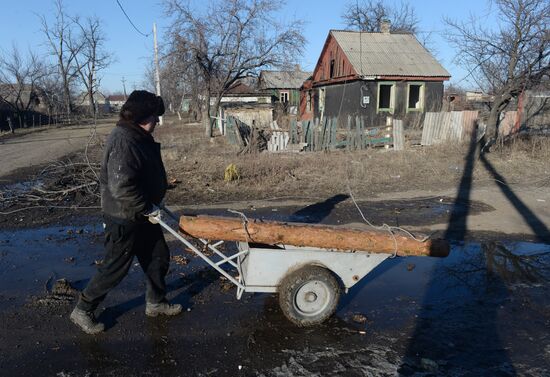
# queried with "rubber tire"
point(294, 281)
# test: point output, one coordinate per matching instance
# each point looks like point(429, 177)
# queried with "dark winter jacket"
point(132, 175)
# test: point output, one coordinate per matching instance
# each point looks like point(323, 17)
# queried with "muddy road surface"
point(482, 311)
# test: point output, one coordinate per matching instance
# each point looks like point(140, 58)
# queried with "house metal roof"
point(387, 54)
point(283, 79)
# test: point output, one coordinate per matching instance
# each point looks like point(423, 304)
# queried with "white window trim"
point(284, 94)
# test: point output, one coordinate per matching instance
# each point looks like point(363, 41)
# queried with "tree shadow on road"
point(456, 330)
point(316, 213)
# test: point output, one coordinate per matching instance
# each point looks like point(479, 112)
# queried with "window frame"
point(284, 94)
point(422, 96)
point(390, 109)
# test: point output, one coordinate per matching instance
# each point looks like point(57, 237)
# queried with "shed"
point(247, 103)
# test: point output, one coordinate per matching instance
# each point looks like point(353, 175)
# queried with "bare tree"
point(180, 78)
point(64, 45)
point(90, 56)
point(19, 78)
point(232, 39)
point(51, 87)
point(368, 15)
point(506, 60)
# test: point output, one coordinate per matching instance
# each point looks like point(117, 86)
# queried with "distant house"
point(284, 86)
point(22, 97)
point(24, 105)
point(116, 101)
point(373, 75)
point(243, 100)
point(100, 101)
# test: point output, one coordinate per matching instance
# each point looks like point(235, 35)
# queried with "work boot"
point(162, 308)
point(86, 321)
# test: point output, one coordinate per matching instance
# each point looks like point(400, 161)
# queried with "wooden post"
point(333, 132)
point(398, 137)
point(314, 135)
point(358, 132)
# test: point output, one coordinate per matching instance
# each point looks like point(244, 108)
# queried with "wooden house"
point(373, 75)
point(284, 87)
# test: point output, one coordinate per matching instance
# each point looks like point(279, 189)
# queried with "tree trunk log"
point(322, 236)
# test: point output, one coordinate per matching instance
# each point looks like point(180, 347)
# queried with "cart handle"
point(156, 218)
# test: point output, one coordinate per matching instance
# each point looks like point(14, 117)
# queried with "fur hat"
point(140, 105)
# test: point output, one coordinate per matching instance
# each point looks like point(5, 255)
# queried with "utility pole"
point(124, 87)
point(157, 73)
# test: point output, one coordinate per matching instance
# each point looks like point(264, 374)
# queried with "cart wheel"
point(309, 295)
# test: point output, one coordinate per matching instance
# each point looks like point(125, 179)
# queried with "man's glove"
point(152, 215)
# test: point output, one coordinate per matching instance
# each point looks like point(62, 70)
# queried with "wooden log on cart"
point(321, 236)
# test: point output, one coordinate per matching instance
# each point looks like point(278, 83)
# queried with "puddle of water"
point(19, 188)
point(29, 258)
point(483, 300)
point(340, 210)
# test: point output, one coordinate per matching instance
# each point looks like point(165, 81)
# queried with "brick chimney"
point(385, 26)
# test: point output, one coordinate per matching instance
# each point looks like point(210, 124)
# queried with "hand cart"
point(307, 279)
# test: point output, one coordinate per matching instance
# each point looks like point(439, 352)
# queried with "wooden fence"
point(237, 132)
point(321, 135)
point(448, 126)
point(324, 135)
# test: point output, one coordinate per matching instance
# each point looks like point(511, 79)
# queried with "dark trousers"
point(122, 242)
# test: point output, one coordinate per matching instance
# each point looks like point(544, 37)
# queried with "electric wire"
point(129, 20)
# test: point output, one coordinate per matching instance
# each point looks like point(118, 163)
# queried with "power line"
point(123, 11)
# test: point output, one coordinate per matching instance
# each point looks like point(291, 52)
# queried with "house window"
point(386, 94)
point(332, 68)
point(308, 101)
point(283, 97)
point(415, 100)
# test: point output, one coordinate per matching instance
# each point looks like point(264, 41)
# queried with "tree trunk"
point(492, 124)
point(499, 104)
point(205, 115)
point(313, 235)
point(67, 95)
point(91, 102)
point(10, 125)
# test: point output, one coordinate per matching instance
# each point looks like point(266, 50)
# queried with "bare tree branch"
point(507, 60)
point(231, 40)
point(90, 56)
point(19, 79)
point(368, 15)
point(64, 47)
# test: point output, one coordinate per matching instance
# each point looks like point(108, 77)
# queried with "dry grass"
point(199, 164)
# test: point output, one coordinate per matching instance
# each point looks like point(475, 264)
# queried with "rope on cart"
point(385, 226)
point(245, 223)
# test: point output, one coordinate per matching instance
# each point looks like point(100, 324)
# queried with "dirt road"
point(482, 311)
point(37, 148)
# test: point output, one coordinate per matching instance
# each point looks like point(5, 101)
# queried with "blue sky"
point(133, 52)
